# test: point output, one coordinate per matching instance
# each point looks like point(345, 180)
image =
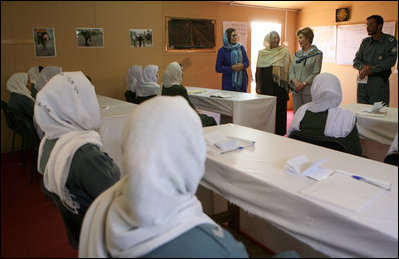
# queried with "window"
point(190, 34)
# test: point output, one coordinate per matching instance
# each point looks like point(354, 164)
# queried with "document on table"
point(343, 191)
point(218, 143)
point(302, 165)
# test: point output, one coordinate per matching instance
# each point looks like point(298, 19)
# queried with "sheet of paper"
point(343, 191)
point(362, 81)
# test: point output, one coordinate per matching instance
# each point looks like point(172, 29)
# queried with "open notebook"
point(218, 143)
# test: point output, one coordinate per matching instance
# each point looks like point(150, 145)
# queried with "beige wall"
point(323, 14)
point(108, 66)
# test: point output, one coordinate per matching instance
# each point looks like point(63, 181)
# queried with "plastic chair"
point(30, 139)
point(71, 226)
point(130, 96)
point(328, 142)
point(10, 121)
point(392, 158)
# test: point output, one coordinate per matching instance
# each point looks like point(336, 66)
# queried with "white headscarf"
point(45, 75)
point(17, 84)
point(394, 145)
point(326, 95)
point(67, 109)
point(148, 81)
point(173, 75)
point(132, 77)
point(155, 202)
point(33, 74)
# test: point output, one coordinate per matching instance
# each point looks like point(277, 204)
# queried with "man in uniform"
point(374, 59)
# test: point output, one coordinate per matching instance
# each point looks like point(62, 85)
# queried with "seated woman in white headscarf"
point(171, 86)
point(153, 210)
point(21, 100)
point(323, 117)
point(70, 156)
point(45, 75)
point(147, 86)
point(33, 73)
point(392, 154)
point(132, 78)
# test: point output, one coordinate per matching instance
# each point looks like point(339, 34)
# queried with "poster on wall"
point(241, 29)
point(140, 38)
point(44, 42)
point(325, 38)
point(90, 37)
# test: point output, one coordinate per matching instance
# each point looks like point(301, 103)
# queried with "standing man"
point(374, 59)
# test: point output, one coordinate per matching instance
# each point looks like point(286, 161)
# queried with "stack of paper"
point(225, 144)
point(374, 111)
point(343, 191)
point(302, 165)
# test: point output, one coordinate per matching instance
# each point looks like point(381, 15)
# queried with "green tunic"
point(315, 123)
point(92, 172)
point(21, 104)
point(381, 54)
point(201, 242)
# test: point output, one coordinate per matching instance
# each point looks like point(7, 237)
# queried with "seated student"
point(45, 75)
point(33, 73)
point(323, 117)
point(393, 149)
point(132, 78)
point(171, 86)
point(153, 210)
point(70, 156)
point(21, 101)
point(147, 86)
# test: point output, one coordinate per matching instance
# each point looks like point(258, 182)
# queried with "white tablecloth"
point(255, 179)
point(250, 110)
point(379, 129)
point(114, 113)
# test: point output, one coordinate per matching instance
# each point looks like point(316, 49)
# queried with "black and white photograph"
point(90, 37)
point(140, 38)
point(44, 42)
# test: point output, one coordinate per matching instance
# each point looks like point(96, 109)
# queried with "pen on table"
point(370, 182)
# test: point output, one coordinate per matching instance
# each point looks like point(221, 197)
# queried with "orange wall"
point(108, 66)
point(323, 14)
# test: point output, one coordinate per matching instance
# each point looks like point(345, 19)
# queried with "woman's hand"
point(258, 91)
point(238, 67)
point(299, 86)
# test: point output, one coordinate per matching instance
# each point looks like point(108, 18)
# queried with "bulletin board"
point(349, 38)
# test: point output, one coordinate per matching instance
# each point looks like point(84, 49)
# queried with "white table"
point(379, 129)
point(114, 114)
point(250, 110)
point(255, 180)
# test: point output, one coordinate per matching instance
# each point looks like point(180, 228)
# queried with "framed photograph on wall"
point(44, 42)
point(90, 37)
point(140, 38)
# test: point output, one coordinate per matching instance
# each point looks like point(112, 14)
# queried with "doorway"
point(258, 33)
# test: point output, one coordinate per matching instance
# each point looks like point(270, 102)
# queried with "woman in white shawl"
point(147, 86)
point(45, 75)
point(132, 79)
point(272, 71)
point(70, 155)
point(153, 210)
point(21, 100)
point(322, 116)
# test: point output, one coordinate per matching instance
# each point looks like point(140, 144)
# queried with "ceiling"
point(295, 5)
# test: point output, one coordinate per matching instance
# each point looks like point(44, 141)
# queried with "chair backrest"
point(72, 228)
point(392, 158)
point(8, 116)
point(25, 126)
point(328, 142)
